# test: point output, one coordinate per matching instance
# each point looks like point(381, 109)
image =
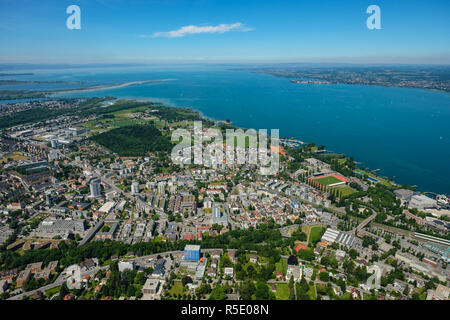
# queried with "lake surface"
point(403, 132)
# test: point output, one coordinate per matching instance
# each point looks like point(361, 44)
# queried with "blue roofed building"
point(192, 252)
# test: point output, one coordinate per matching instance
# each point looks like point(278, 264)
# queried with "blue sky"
point(112, 31)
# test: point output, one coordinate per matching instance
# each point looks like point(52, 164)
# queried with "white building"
point(107, 207)
point(151, 286)
point(135, 188)
point(161, 187)
point(228, 272)
point(295, 272)
point(95, 188)
point(126, 265)
point(330, 235)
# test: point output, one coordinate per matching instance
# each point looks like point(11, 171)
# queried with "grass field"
point(207, 210)
point(50, 292)
point(345, 190)
point(326, 181)
point(307, 229)
point(315, 234)
point(281, 266)
point(177, 288)
point(122, 118)
point(16, 156)
point(106, 262)
point(312, 293)
point(282, 291)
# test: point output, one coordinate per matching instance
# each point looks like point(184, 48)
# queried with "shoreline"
point(170, 103)
point(53, 94)
point(110, 87)
point(244, 128)
point(174, 103)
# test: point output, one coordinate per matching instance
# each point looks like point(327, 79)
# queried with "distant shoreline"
point(10, 95)
point(15, 74)
point(415, 77)
point(20, 82)
point(112, 86)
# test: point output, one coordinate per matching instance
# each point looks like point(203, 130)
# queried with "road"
point(366, 222)
point(59, 281)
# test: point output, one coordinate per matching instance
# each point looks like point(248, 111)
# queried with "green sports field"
point(326, 181)
point(316, 234)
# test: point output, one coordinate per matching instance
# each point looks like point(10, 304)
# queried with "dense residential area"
point(93, 207)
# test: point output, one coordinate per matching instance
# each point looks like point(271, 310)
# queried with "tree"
point(203, 289)
point(247, 290)
point(292, 260)
point(406, 291)
point(415, 296)
point(302, 289)
point(262, 291)
point(307, 254)
point(218, 293)
point(140, 278)
point(186, 280)
point(323, 276)
point(291, 289)
point(367, 241)
point(353, 253)
point(63, 291)
point(225, 261)
point(251, 272)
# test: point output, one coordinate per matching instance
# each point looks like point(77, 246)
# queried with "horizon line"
point(212, 62)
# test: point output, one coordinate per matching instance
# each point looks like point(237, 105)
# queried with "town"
point(92, 207)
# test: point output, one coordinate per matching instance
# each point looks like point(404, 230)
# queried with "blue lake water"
point(403, 132)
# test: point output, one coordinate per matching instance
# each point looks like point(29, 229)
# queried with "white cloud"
point(187, 30)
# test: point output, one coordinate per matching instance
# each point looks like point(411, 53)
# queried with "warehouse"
point(331, 236)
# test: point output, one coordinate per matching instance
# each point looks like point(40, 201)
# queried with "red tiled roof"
point(300, 246)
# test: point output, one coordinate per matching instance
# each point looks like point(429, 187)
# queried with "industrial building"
point(61, 226)
point(422, 202)
point(331, 236)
